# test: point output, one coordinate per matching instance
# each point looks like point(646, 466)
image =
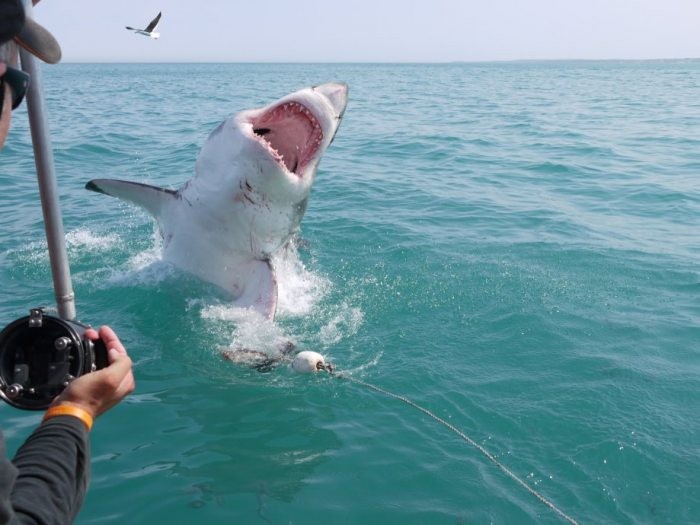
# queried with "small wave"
point(374, 361)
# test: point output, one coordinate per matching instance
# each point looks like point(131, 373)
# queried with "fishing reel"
point(40, 355)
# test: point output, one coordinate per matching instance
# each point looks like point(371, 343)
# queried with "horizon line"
point(384, 62)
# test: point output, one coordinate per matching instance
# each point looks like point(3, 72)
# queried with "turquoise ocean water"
point(513, 246)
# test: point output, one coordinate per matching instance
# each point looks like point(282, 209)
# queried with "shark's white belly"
point(221, 247)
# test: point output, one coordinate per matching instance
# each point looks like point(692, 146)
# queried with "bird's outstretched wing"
point(153, 23)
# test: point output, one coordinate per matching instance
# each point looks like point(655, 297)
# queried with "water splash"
point(303, 321)
point(253, 338)
point(85, 240)
point(298, 289)
point(144, 267)
point(345, 323)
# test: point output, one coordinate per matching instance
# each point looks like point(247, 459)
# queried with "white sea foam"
point(143, 267)
point(298, 289)
point(141, 273)
point(144, 259)
point(251, 331)
point(84, 239)
point(79, 241)
point(344, 323)
point(32, 253)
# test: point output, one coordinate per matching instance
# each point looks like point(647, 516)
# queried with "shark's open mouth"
point(292, 132)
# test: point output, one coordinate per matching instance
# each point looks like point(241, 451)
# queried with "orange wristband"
point(69, 410)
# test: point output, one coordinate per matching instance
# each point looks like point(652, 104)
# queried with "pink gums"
point(292, 133)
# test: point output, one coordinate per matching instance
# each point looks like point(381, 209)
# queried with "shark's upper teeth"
point(292, 134)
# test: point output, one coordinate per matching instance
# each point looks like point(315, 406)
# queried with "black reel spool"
point(40, 355)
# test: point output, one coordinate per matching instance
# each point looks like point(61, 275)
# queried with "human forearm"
point(54, 469)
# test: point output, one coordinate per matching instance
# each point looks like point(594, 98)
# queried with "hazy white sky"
point(373, 30)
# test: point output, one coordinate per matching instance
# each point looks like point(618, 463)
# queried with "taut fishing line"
point(454, 429)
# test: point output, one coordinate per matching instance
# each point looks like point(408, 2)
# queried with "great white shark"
point(248, 195)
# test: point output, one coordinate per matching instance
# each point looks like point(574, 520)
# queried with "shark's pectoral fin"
point(151, 198)
point(260, 289)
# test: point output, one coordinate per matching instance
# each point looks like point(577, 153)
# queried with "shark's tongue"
point(292, 131)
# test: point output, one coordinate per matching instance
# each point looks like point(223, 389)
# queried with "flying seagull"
point(150, 28)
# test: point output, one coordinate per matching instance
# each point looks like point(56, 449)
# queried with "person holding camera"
point(48, 477)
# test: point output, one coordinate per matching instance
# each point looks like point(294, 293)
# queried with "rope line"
point(466, 438)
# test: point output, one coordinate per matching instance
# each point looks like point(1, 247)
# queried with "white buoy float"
point(308, 361)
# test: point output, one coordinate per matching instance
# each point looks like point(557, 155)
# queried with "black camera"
point(40, 355)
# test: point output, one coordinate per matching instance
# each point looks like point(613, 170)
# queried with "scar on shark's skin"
point(249, 193)
point(246, 190)
point(244, 196)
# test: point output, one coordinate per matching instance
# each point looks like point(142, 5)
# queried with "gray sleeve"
point(8, 474)
point(53, 471)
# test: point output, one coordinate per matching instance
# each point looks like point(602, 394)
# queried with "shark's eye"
point(261, 131)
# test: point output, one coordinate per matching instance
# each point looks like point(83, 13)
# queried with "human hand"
point(99, 391)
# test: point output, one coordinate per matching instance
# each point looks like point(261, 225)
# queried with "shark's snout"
point(337, 95)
